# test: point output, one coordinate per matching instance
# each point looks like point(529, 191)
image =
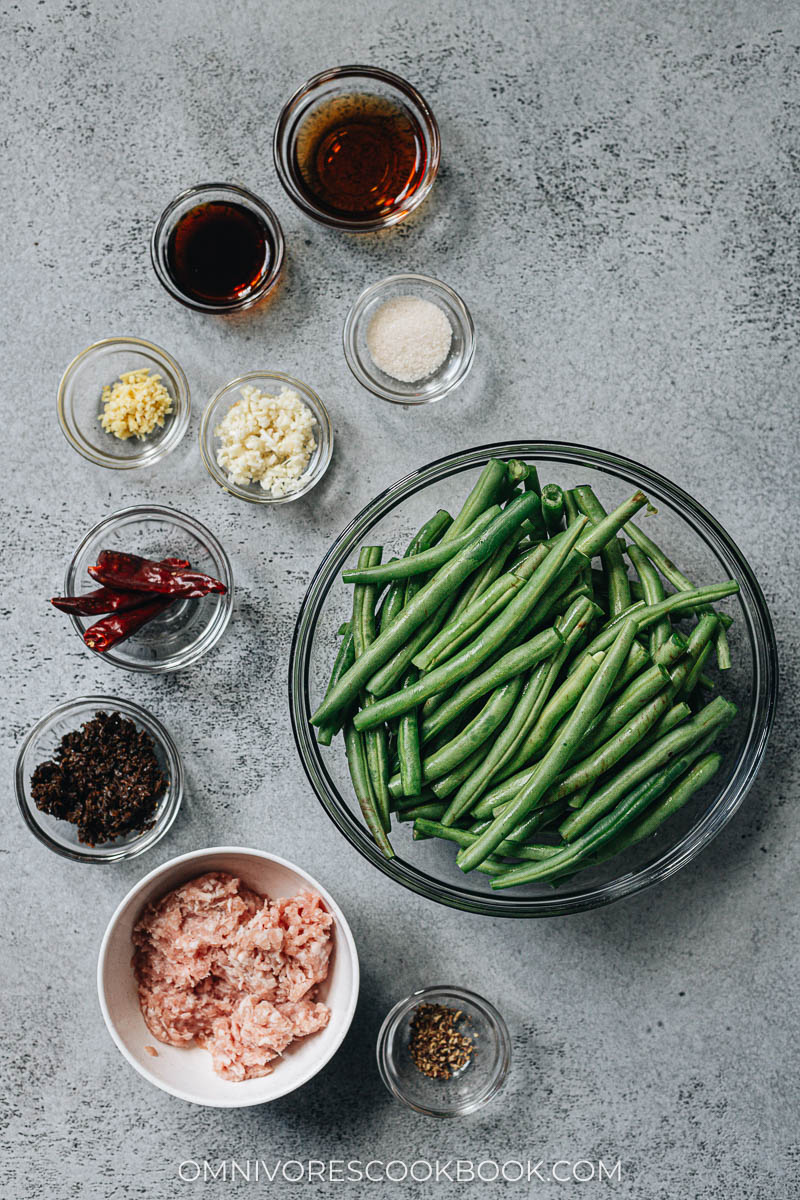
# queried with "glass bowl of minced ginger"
point(124, 403)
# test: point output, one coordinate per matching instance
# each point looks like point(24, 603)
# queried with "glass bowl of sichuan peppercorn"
point(594, 807)
point(99, 779)
point(357, 148)
point(444, 1051)
point(183, 627)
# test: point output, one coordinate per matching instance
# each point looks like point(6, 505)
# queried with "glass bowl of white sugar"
point(409, 339)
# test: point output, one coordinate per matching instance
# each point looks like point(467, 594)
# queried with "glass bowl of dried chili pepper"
point(444, 1051)
point(99, 779)
point(169, 585)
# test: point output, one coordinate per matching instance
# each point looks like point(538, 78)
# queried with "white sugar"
point(409, 338)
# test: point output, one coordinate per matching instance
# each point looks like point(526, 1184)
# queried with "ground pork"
point(221, 967)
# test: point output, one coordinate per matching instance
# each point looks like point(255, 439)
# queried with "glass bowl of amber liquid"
point(430, 1074)
point(41, 744)
point(357, 148)
point(218, 248)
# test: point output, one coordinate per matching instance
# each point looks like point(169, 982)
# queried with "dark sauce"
point(360, 156)
point(218, 252)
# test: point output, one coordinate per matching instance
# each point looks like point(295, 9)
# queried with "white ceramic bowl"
point(187, 1073)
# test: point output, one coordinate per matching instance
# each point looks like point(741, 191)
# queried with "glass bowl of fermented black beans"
point(118, 770)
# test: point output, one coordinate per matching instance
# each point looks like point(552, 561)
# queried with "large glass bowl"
point(705, 553)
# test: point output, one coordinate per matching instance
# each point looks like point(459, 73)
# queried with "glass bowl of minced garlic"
point(124, 403)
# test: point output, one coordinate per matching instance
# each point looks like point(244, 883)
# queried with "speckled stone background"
point(618, 203)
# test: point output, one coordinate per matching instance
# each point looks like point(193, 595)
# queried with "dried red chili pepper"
point(130, 572)
point(115, 628)
point(108, 600)
point(92, 604)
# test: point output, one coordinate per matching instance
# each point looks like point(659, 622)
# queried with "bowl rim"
point(371, 382)
point(268, 215)
point(391, 1023)
point(169, 807)
point(283, 137)
point(321, 416)
point(342, 928)
point(176, 429)
point(202, 532)
point(666, 863)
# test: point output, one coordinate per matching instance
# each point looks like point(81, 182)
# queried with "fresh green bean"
point(671, 650)
point(600, 761)
point(520, 659)
point(481, 727)
point(560, 704)
point(364, 632)
point(553, 508)
point(680, 794)
point(461, 628)
point(678, 580)
point(344, 660)
point(424, 561)
point(431, 811)
point(519, 472)
point(531, 481)
point(619, 592)
point(609, 827)
point(430, 533)
point(488, 490)
point(424, 604)
point(712, 717)
point(697, 669)
point(485, 575)
point(486, 644)
point(673, 717)
point(639, 692)
point(449, 783)
point(645, 615)
point(558, 756)
point(653, 592)
point(500, 749)
point(408, 746)
point(362, 786)
point(538, 819)
point(571, 628)
point(463, 837)
point(595, 537)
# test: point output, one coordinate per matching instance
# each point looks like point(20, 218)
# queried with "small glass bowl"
point(346, 81)
point(469, 1088)
point(80, 403)
point(207, 193)
point(453, 370)
point(41, 744)
point(187, 629)
point(224, 400)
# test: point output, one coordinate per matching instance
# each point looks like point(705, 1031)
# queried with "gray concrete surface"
point(618, 203)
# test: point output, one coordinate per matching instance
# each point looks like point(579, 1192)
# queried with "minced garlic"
point(267, 439)
point(135, 405)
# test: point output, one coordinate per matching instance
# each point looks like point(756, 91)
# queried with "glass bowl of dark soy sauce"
point(357, 148)
point(217, 248)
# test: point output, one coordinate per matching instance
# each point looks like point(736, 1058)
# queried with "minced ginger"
point(135, 405)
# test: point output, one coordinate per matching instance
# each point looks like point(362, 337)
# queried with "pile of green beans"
point(513, 683)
